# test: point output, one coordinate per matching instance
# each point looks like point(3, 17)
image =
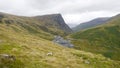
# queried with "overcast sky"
point(73, 11)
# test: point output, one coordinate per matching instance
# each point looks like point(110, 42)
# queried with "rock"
point(1, 17)
point(50, 54)
point(8, 21)
point(63, 42)
point(7, 57)
point(86, 62)
point(55, 20)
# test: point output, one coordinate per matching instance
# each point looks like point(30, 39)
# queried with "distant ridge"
point(92, 23)
point(103, 39)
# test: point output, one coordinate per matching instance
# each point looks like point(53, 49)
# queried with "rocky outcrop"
point(7, 57)
point(1, 17)
point(46, 25)
point(63, 42)
point(55, 20)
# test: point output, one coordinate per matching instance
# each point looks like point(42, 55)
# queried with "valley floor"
point(31, 51)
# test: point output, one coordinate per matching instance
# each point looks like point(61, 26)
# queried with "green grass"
point(102, 39)
point(30, 49)
point(30, 52)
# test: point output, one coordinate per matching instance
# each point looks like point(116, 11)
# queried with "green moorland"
point(90, 24)
point(104, 39)
point(30, 47)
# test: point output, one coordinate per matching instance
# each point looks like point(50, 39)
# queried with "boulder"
point(86, 62)
point(50, 54)
point(63, 42)
point(7, 57)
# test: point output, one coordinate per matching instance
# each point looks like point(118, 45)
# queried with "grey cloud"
point(108, 5)
point(74, 11)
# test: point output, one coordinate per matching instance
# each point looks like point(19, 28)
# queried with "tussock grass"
point(30, 51)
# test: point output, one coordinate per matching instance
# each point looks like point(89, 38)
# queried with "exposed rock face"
point(63, 42)
point(58, 18)
point(55, 20)
point(50, 24)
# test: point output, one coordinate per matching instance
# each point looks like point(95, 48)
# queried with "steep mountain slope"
point(50, 24)
point(54, 21)
point(23, 46)
point(25, 24)
point(92, 23)
point(103, 39)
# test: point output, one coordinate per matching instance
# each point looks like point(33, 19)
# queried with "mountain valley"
point(27, 42)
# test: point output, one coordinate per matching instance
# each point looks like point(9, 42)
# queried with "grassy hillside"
point(37, 25)
point(30, 47)
point(103, 39)
point(31, 51)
